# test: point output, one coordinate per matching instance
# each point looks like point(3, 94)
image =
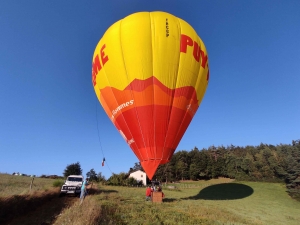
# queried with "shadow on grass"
point(228, 191)
point(170, 200)
point(95, 191)
point(107, 191)
point(19, 207)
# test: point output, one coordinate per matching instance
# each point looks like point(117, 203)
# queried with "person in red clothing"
point(148, 193)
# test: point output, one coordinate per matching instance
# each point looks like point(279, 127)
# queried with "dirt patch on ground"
point(38, 208)
point(46, 213)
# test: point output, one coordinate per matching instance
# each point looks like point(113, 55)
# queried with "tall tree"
point(92, 175)
point(73, 169)
point(101, 178)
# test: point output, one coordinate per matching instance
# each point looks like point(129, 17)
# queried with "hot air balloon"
point(150, 72)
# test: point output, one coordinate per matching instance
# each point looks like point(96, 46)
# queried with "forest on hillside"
point(265, 162)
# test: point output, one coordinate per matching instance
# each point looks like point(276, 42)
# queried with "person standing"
point(160, 190)
point(148, 193)
point(83, 190)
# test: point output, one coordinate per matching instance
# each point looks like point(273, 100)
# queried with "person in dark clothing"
point(160, 190)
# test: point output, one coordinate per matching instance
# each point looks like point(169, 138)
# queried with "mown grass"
point(198, 184)
point(217, 203)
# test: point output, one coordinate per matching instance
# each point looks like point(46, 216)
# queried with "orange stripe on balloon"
point(140, 85)
point(142, 92)
point(152, 141)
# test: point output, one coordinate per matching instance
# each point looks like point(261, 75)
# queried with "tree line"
point(265, 162)
point(75, 169)
point(121, 179)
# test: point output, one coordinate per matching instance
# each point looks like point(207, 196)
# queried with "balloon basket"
point(157, 197)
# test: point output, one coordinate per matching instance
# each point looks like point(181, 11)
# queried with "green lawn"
point(202, 203)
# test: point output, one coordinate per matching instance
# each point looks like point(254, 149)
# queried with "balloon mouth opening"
point(150, 166)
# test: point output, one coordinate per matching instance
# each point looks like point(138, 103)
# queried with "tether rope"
point(100, 139)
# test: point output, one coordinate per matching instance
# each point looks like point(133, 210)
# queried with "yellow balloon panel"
point(150, 72)
point(143, 38)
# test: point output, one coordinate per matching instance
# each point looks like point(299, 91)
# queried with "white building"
point(139, 176)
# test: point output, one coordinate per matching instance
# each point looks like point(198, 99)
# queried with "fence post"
point(31, 183)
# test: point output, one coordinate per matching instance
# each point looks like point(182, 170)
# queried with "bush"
point(58, 183)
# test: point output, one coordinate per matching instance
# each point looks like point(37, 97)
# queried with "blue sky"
point(49, 111)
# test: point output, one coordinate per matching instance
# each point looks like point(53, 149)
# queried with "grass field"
point(17, 200)
point(19, 185)
point(219, 201)
point(205, 202)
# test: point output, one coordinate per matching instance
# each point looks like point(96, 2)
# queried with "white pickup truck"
point(72, 185)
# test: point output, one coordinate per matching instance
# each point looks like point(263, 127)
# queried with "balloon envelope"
point(150, 72)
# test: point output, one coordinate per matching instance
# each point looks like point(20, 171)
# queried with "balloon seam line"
point(131, 95)
point(178, 66)
point(154, 120)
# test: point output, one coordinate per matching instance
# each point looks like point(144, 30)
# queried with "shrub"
point(58, 183)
